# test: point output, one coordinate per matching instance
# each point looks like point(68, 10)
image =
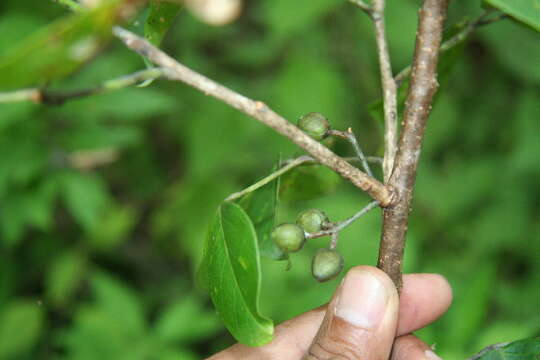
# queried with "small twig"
point(457, 39)
point(350, 137)
point(259, 111)
point(290, 165)
point(488, 349)
point(44, 96)
point(422, 88)
point(362, 5)
point(389, 90)
point(337, 227)
point(334, 240)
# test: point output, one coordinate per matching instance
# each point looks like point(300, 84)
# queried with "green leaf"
point(184, 321)
point(524, 11)
point(527, 349)
point(119, 302)
point(307, 182)
point(60, 48)
point(21, 323)
point(232, 272)
point(159, 20)
point(85, 196)
point(64, 276)
point(260, 206)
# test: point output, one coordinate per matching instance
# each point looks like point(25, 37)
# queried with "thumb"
point(361, 320)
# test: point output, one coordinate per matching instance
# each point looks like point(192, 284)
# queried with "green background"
point(100, 263)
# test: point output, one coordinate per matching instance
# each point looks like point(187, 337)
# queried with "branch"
point(457, 39)
point(389, 90)
point(423, 85)
point(173, 70)
point(43, 96)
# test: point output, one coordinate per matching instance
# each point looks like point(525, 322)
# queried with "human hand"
point(363, 320)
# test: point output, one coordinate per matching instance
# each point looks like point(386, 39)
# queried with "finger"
point(424, 298)
point(361, 320)
point(409, 347)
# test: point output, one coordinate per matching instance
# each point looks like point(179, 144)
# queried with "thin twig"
point(362, 5)
point(48, 97)
point(488, 349)
point(422, 88)
point(457, 39)
point(337, 227)
point(350, 137)
point(389, 90)
point(334, 238)
point(261, 112)
point(290, 165)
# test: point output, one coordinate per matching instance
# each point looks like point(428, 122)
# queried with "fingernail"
point(431, 355)
point(362, 300)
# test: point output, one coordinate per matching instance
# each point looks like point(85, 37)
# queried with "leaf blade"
point(524, 11)
point(231, 267)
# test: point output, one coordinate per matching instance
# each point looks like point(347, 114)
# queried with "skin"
point(325, 334)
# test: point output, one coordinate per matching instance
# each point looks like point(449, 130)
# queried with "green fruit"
point(326, 264)
point(289, 237)
point(312, 220)
point(315, 125)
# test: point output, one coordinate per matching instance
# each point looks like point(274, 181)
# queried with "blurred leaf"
point(85, 196)
point(527, 349)
point(21, 323)
point(261, 207)
point(185, 320)
point(20, 209)
point(119, 302)
point(284, 19)
point(64, 276)
point(231, 271)
point(527, 136)
point(95, 136)
point(161, 16)
point(525, 11)
point(60, 48)
point(97, 334)
point(176, 354)
point(114, 228)
point(307, 182)
point(317, 86)
point(469, 309)
point(510, 43)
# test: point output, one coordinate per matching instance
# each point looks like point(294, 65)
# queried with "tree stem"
point(423, 85)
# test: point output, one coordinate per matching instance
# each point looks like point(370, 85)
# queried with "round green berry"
point(315, 125)
point(312, 220)
point(326, 264)
point(289, 237)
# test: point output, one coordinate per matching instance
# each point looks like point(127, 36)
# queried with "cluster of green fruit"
point(326, 263)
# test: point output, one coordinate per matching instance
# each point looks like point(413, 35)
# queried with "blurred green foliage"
point(97, 260)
